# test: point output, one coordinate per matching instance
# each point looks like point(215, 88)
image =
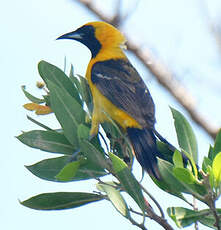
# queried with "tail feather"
point(145, 148)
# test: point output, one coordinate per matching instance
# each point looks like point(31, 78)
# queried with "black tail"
point(145, 148)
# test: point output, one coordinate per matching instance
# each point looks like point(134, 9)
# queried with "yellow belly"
point(103, 109)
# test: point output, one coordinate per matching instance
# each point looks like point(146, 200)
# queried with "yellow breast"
point(103, 106)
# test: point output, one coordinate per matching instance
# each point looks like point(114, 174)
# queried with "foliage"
point(84, 158)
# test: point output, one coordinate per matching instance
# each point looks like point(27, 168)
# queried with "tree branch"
point(141, 226)
point(214, 28)
point(212, 205)
point(161, 221)
point(163, 75)
point(155, 217)
point(154, 200)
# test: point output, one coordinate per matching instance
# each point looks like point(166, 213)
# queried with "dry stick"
point(162, 74)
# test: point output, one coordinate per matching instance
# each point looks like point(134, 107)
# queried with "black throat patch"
point(89, 39)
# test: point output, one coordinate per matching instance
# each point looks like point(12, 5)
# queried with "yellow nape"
point(111, 40)
point(103, 109)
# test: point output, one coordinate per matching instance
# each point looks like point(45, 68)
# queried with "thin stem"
point(38, 123)
point(212, 206)
point(138, 213)
point(152, 215)
point(161, 221)
point(211, 199)
point(155, 217)
point(154, 200)
point(196, 209)
point(141, 226)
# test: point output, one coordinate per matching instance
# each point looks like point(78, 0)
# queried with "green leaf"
point(168, 177)
point(86, 93)
point(169, 180)
point(76, 82)
point(165, 151)
point(216, 167)
point(48, 169)
point(206, 162)
point(207, 218)
point(60, 200)
point(183, 217)
point(211, 177)
point(52, 73)
point(38, 123)
point(217, 145)
point(68, 112)
point(210, 153)
point(178, 159)
point(93, 154)
point(83, 131)
point(175, 185)
point(71, 74)
point(47, 100)
point(111, 130)
point(118, 164)
point(191, 160)
point(168, 188)
point(49, 141)
point(116, 198)
point(185, 135)
point(31, 97)
point(184, 175)
point(65, 100)
point(68, 172)
point(128, 181)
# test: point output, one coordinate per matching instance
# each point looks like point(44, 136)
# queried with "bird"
point(118, 91)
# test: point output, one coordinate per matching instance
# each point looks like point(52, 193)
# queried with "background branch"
point(163, 75)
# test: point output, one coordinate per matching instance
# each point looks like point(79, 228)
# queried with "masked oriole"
point(118, 90)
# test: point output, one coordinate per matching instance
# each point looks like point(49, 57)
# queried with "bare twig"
point(211, 200)
point(196, 209)
point(141, 226)
point(163, 75)
point(138, 213)
point(215, 214)
point(161, 221)
point(154, 200)
point(155, 217)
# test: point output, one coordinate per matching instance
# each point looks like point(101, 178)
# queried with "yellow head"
point(97, 36)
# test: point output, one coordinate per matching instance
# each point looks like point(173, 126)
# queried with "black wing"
point(119, 81)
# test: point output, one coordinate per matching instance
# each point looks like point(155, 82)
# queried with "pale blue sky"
point(176, 31)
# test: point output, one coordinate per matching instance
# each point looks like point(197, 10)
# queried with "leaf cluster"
point(84, 157)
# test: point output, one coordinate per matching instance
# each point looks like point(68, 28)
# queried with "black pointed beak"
point(72, 35)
